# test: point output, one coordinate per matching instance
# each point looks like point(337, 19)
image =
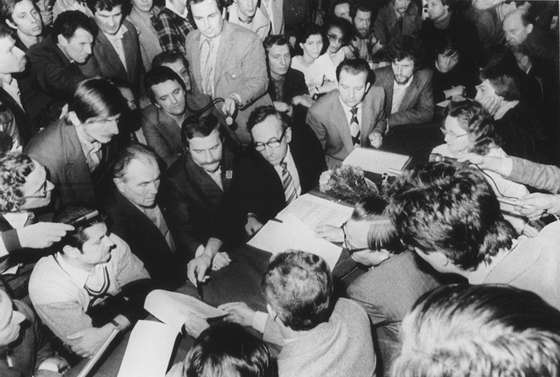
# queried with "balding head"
point(517, 27)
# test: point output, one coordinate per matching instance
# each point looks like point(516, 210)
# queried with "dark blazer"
point(20, 128)
point(54, 80)
point(417, 105)
point(167, 268)
point(58, 149)
point(192, 198)
point(105, 61)
point(294, 85)
point(257, 188)
point(385, 26)
point(327, 119)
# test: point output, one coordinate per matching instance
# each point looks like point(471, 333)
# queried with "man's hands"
point(230, 105)
point(536, 204)
point(238, 312)
point(253, 225)
point(86, 342)
point(500, 165)
point(375, 139)
point(42, 234)
point(330, 232)
point(197, 267)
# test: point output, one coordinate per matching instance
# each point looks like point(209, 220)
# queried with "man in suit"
point(54, 66)
point(162, 120)
point(116, 51)
point(352, 115)
point(76, 149)
point(274, 11)
point(195, 187)
point(227, 61)
point(138, 217)
point(286, 164)
point(13, 61)
point(408, 90)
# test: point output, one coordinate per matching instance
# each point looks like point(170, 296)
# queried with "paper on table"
point(276, 237)
point(141, 360)
point(314, 211)
point(174, 308)
point(376, 161)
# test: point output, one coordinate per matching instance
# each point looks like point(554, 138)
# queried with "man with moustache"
point(408, 89)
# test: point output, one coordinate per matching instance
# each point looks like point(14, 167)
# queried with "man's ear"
point(11, 24)
point(61, 40)
point(71, 251)
point(529, 28)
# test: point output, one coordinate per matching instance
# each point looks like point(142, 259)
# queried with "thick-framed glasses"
point(446, 132)
point(272, 143)
point(41, 193)
point(346, 244)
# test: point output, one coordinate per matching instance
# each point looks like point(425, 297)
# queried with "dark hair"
point(202, 126)
point(478, 123)
point(134, 151)
point(306, 31)
point(227, 349)
point(481, 330)
point(343, 25)
point(445, 46)
point(5, 31)
point(81, 218)
point(67, 22)
point(299, 287)
point(96, 97)
point(356, 66)
point(14, 169)
point(360, 6)
point(503, 73)
point(158, 75)
point(335, 3)
point(382, 232)
point(262, 112)
point(451, 208)
point(275, 40)
point(405, 46)
point(96, 5)
point(219, 3)
point(169, 57)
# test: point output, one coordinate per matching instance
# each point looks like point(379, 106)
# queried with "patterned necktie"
point(206, 66)
point(354, 126)
point(288, 184)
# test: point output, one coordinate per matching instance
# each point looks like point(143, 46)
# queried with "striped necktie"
point(288, 184)
point(354, 126)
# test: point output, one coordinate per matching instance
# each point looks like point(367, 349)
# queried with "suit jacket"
point(23, 126)
point(163, 133)
point(257, 187)
point(167, 268)
point(240, 69)
point(277, 21)
point(294, 85)
point(54, 80)
point(58, 149)
point(327, 119)
point(192, 198)
point(417, 105)
point(385, 27)
point(105, 61)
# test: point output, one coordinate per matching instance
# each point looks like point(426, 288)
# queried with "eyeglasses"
point(346, 244)
point(446, 132)
point(272, 143)
point(41, 193)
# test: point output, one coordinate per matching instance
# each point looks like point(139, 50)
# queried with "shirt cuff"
point(259, 321)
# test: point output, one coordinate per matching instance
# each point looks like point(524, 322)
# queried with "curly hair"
point(14, 169)
point(478, 123)
point(450, 208)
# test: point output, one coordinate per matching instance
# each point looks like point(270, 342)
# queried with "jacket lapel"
point(106, 54)
point(130, 53)
point(410, 94)
point(367, 118)
point(169, 128)
point(338, 117)
point(195, 63)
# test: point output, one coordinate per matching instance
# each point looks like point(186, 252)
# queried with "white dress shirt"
point(117, 43)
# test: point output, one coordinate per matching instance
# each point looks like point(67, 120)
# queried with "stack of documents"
point(314, 211)
point(377, 161)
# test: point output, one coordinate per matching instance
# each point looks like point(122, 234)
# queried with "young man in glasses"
point(285, 163)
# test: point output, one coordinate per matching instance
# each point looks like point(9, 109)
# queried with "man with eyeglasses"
point(285, 164)
point(24, 188)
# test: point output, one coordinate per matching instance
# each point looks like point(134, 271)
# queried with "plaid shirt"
point(172, 30)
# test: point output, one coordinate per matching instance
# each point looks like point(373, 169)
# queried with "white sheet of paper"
point(314, 211)
point(376, 161)
point(149, 350)
point(276, 237)
point(174, 308)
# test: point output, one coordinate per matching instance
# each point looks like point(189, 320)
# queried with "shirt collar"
point(85, 142)
point(6, 79)
point(348, 108)
point(170, 6)
point(118, 35)
point(78, 275)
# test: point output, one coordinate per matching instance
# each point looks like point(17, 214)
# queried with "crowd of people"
point(141, 143)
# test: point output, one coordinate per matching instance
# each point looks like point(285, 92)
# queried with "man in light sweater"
point(319, 336)
point(92, 265)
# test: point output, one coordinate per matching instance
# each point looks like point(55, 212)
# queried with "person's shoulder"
point(349, 309)
point(240, 34)
point(50, 135)
point(130, 28)
point(325, 101)
point(383, 73)
point(192, 37)
point(45, 270)
point(294, 74)
point(424, 74)
point(43, 48)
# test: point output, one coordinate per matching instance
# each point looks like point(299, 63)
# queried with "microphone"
point(436, 157)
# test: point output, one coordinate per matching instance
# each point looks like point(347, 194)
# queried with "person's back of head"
point(228, 350)
point(97, 98)
point(69, 21)
point(480, 331)
point(81, 218)
point(450, 208)
point(298, 287)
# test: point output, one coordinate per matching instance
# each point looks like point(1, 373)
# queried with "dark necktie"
point(354, 125)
